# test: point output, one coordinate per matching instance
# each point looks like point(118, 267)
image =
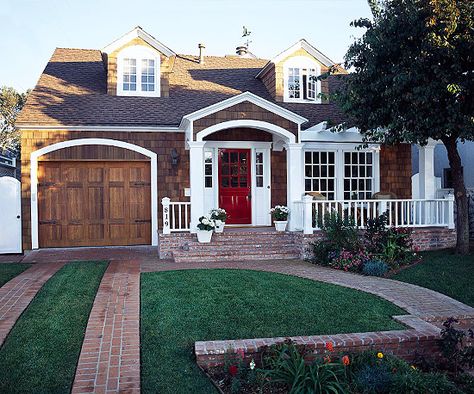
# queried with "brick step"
point(237, 252)
point(183, 257)
point(240, 245)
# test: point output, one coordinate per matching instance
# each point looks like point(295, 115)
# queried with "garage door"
point(94, 203)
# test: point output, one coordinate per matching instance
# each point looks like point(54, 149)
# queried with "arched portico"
point(282, 138)
point(91, 141)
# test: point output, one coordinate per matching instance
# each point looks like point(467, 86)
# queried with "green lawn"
point(181, 307)
point(445, 272)
point(10, 270)
point(41, 352)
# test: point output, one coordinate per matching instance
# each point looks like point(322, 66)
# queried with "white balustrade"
point(176, 215)
point(400, 212)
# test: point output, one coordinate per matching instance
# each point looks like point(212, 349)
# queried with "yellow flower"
point(380, 355)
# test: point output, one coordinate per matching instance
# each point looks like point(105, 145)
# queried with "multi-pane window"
point(311, 90)
point(302, 83)
point(148, 75)
point(234, 169)
point(358, 175)
point(259, 169)
point(130, 75)
point(208, 169)
point(294, 83)
point(320, 173)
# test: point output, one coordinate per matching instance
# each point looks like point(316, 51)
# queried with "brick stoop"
point(261, 245)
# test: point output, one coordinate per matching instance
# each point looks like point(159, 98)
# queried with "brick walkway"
point(17, 294)
point(110, 355)
point(424, 303)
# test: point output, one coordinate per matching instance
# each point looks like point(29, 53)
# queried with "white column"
point(426, 171)
point(295, 184)
point(196, 177)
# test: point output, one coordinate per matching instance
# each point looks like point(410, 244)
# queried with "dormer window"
point(138, 70)
point(300, 82)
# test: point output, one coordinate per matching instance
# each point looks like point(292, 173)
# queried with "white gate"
point(10, 215)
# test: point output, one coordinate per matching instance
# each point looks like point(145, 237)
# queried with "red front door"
point(234, 185)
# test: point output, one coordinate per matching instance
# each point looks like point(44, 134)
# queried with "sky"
point(30, 30)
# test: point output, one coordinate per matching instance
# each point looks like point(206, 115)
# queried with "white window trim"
point(138, 52)
point(301, 62)
point(339, 160)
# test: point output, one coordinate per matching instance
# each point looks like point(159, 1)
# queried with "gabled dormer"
point(138, 65)
point(291, 76)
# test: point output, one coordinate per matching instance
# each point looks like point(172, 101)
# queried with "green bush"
point(284, 364)
point(374, 268)
point(375, 378)
point(340, 233)
point(416, 382)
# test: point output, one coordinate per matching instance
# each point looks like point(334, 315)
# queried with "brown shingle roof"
point(72, 92)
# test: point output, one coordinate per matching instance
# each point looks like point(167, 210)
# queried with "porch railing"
point(176, 215)
point(400, 213)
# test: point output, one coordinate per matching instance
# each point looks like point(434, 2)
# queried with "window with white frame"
point(358, 175)
point(138, 72)
point(129, 82)
point(208, 168)
point(301, 83)
point(259, 169)
point(320, 173)
point(340, 173)
point(148, 75)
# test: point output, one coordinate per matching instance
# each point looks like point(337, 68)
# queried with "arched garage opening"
point(103, 181)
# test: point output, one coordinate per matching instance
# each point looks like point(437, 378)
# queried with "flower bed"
point(376, 251)
point(295, 367)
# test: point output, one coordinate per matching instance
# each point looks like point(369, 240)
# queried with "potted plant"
point(205, 227)
point(280, 217)
point(219, 216)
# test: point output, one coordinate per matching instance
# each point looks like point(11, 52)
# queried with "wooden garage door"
point(94, 203)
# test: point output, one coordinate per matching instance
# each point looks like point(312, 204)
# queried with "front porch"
point(431, 222)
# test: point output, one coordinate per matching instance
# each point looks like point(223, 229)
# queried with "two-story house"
point(107, 134)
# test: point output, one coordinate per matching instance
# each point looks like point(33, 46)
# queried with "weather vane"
point(246, 33)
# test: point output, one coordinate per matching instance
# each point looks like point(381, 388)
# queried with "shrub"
point(392, 245)
point(340, 230)
point(347, 260)
point(374, 268)
point(284, 364)
point(420, 383)
point(457, 352)
point(373, 378)
point(340, 236)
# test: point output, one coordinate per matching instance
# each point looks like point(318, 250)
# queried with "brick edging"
point(419, 339)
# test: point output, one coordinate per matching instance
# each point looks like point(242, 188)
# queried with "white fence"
point(176, 216)
point(400, 213)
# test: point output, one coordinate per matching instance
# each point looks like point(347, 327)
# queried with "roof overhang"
point(301, 44)
point(138, 32)
point(240, 98)
point(320, 133)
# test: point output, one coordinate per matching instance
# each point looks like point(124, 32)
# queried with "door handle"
point(18, 216)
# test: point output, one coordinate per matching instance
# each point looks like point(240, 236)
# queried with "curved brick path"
point(424, 303)
point(17, 294)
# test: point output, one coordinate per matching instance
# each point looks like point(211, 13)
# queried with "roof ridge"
point(79, 49)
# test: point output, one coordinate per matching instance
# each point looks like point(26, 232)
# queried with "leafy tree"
point(11, 102)
point(413, 80)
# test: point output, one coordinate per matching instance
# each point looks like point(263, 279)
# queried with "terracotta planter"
point(280, 225)
point(219, 226)
point(204, 236)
